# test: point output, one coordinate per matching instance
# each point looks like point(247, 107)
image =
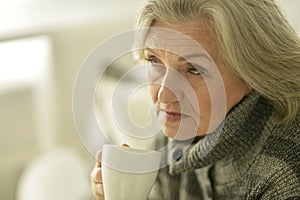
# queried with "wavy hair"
point(256, 40)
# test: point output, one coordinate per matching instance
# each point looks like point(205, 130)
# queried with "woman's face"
point(190, 85)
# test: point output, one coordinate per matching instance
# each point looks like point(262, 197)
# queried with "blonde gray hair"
point(256, 40)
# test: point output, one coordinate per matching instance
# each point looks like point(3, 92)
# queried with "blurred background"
point(42, 45)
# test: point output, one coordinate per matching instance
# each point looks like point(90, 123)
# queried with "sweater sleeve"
point(284, 185)
point(279, 171)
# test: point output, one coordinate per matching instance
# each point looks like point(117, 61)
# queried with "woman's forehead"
point(180, 38)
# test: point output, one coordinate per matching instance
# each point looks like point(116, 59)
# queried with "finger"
point(98, 197)
point(98, 158)
point(96, 175)
point(98, 191)
point(99, 188)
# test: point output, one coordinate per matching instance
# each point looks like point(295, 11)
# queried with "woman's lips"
point(171, 116)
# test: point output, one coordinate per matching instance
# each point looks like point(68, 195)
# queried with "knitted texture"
point(249, 156)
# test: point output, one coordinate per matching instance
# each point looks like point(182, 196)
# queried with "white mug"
point(128, 173)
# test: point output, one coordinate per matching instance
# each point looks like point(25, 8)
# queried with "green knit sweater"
point(249, 157)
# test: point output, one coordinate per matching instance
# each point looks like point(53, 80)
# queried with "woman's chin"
point(177, 134)
point(184, 131)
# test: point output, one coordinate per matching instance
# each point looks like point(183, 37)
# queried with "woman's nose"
point(170, 90)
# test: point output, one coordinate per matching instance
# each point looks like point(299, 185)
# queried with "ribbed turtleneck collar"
point(240, 130)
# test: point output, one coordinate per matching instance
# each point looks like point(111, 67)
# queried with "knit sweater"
point(249, 157)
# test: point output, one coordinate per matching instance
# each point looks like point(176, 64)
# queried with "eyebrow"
point(185, 57)
point(195, 55)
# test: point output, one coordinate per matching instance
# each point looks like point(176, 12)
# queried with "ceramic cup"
point(128, 173)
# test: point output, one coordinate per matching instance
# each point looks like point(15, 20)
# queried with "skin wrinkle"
point(189, 58)
point(206, 88)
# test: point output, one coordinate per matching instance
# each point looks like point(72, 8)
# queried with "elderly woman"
point(256, 154)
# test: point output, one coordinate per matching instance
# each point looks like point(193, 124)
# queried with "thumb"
point(98, 158)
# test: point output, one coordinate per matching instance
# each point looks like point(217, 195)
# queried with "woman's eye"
point(156, 69)
point(153, 60)
point(196, 70)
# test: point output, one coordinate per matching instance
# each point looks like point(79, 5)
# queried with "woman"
point(257, 53)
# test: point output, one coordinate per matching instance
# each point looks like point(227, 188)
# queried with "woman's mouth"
point(170, 116)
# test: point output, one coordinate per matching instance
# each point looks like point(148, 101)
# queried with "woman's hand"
point(96, 179)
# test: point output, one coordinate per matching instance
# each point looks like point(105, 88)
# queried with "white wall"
point(72, 38)
point(291, 9)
